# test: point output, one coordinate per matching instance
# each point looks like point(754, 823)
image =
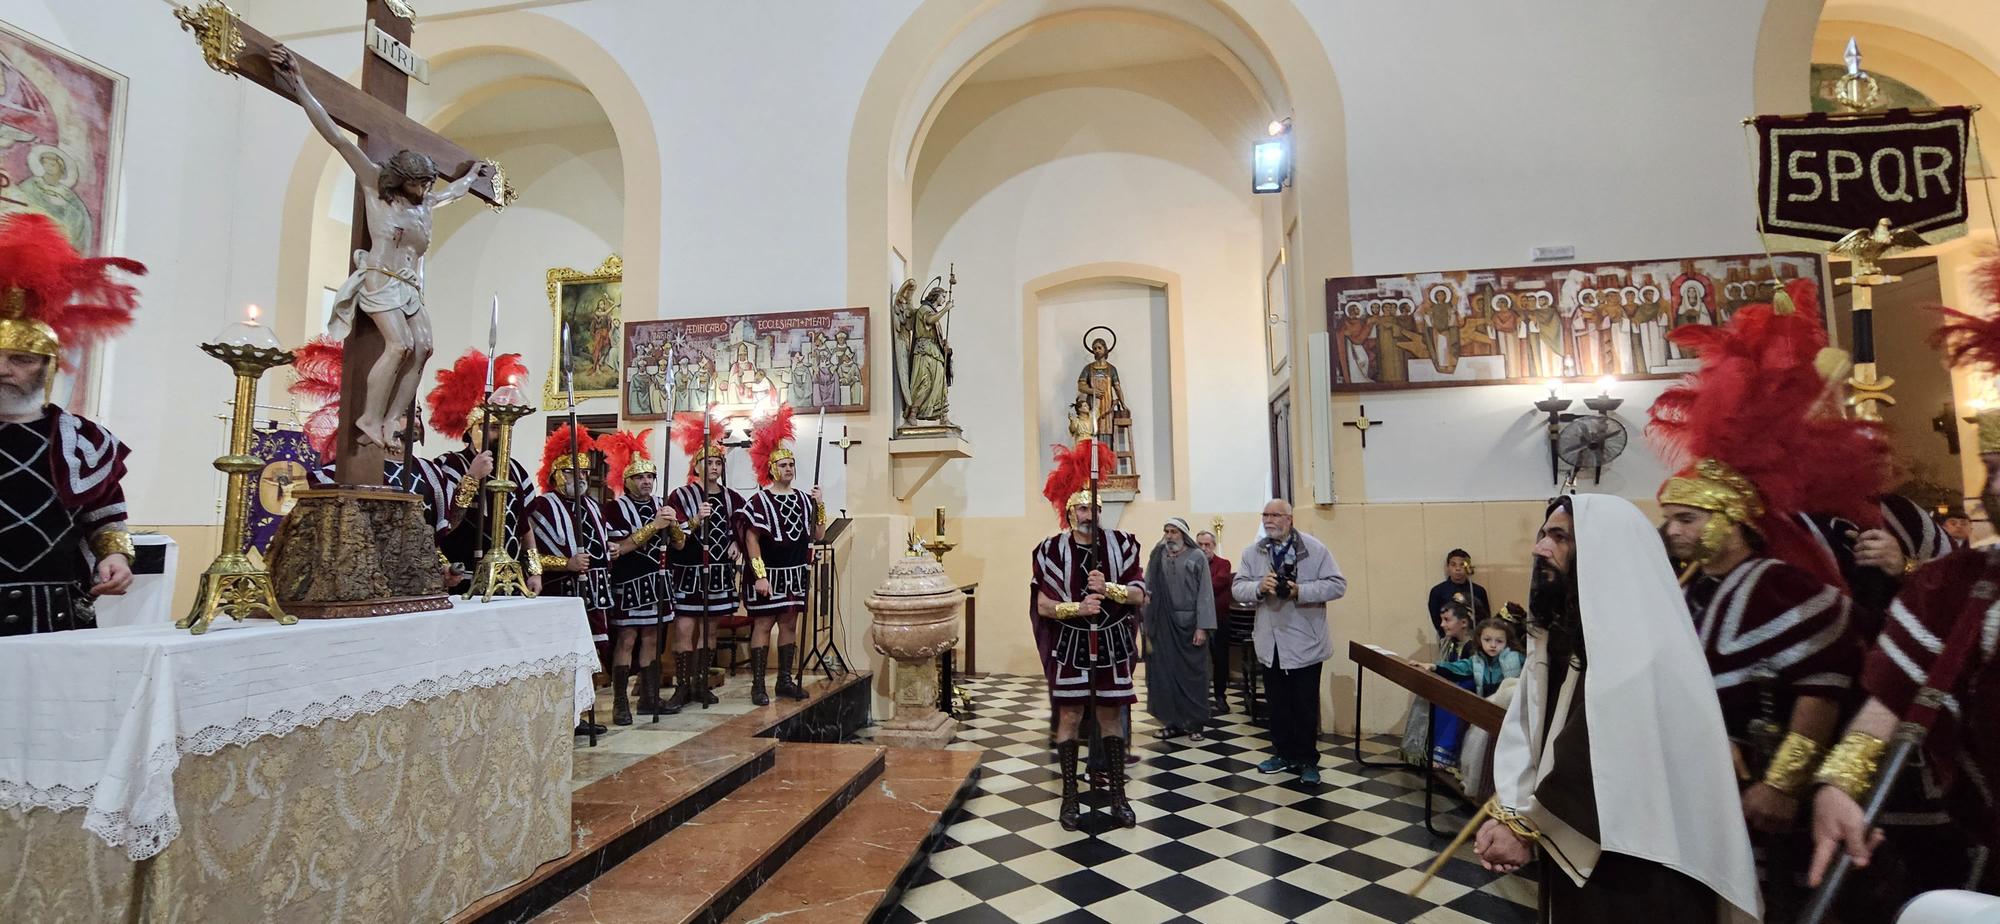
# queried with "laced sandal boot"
point(788, 686)
point(1072, 808)
point(649, 689)
point(760, 661)
point(621, 704)
point(1121, 808)
point(683, 681)
point(703, 659)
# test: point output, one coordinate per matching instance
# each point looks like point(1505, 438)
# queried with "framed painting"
point(811, 360)
point(62, 121)
point(1277, 314)
point(1514, 325)
point(589, 312)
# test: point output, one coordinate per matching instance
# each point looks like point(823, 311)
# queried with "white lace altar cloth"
point(99, 719)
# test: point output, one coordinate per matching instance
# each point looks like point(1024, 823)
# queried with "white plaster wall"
point(1477, 131)
point(1075, 176)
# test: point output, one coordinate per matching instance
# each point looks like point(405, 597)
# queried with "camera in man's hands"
point(1287, 575)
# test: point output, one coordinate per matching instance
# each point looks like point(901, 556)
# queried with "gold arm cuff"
point(468, 489)
point(534, 564)
point(1117, 593)
point(1516, 822)
point(1852, 763)
point(1068, 610)
point(822, 516)
point(757, 568)
point(111, 540)
point(675, 533)
point(643, 535)
point(1791, 769)
point(552, 561)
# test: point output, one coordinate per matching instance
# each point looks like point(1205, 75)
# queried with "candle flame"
point(1604, 384)
point(253, 314)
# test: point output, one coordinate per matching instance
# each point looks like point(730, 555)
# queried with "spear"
point(700, 680)
point(576, 496)
point(819, 443)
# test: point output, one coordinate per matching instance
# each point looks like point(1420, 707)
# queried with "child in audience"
point(1454, 619)
point(1493, 659)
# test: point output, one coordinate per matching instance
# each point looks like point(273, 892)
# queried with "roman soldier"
point(642, 531)
point(63, 540)
point(1085, 624)
point(1928, 683)
point(317, 367)
point(1777, 629)
point(574, 551)
point(780, 524)
point(458, 412)
point(703, 572)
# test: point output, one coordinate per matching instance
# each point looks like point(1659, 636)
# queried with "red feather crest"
point(620, 447)
point(1971, 339)
point(317, 365)
point(461, 386)
point(765, 438)
point(688, 434)
point(557, 446)
point(1072, 473)
point(73, 294)
point(1753, 407)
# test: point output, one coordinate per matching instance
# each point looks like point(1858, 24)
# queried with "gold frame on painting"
point(612, 270)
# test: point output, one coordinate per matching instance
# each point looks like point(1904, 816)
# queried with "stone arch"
point(1275, 48)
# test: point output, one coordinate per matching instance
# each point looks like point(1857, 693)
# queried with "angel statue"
point(923, 357)
point(388, 280)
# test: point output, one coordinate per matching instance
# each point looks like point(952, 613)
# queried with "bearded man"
point(1612, 758)
point(63, 540)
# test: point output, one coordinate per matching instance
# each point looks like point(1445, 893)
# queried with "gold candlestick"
point(499, 573)
point(233, 586)
point(940, 545)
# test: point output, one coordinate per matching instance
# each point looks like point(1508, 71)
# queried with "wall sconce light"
point(1271, 159)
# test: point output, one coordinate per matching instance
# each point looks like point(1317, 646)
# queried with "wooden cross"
point(844, 444)
point(374, 113)
point(1362, 423)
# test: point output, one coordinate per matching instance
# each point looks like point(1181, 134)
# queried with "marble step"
point(619, 815)
point(855, 869)
point(702, 870)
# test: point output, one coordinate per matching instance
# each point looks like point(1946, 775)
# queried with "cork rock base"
point(356, 551)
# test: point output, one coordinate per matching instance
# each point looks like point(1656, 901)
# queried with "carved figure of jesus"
point(388, 280)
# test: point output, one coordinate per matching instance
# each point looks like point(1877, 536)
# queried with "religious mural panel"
point(1530, 323)
point(591, 308)
point(807, 359)
point(61, 125)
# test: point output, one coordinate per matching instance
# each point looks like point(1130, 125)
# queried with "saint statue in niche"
point(1103, 401)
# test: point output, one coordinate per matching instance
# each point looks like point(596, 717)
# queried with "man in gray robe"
point(1179, 618)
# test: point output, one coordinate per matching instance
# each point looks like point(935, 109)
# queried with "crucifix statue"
point(395, 160)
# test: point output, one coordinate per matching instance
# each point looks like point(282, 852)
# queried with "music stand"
point(824, 646)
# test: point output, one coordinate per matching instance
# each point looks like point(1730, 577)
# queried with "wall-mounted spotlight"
point(1271, 159)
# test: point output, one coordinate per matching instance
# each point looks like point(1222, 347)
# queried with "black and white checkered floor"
point(1216, 842)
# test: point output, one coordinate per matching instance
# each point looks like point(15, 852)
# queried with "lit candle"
point(1553, 385)
point(252, 314)
point(1604, 385)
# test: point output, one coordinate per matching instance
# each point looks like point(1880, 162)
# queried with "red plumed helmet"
point(1974, 340)
point(462, 385)
point(1747, 433)
point(1069, 484)
point(691, 436)
point(767, 439)
point(53, 299)
point(625, 454)
point(317, 365)
point(557, 455)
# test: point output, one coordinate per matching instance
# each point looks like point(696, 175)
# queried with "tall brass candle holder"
point(233, 586)
point(939, 545)
point(499, 573)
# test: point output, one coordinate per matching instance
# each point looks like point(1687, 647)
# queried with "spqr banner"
point(1822, 176)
